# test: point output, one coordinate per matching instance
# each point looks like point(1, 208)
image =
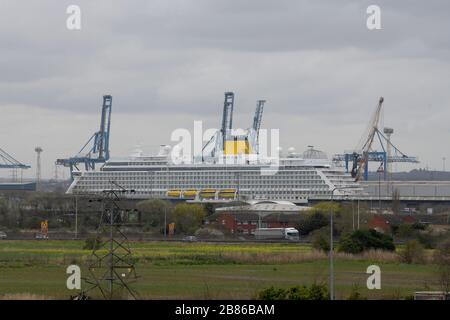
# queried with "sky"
point(168, 63)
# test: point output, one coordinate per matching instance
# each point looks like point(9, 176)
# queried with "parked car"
point(40, 236)
point(3, 235)
point(190, 239)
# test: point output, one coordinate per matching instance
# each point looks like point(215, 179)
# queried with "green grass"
point(203, 271)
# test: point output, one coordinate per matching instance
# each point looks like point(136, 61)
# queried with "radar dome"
point(312, 153)
point(164, 150)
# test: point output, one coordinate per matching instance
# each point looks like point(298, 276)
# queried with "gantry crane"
point(257, 119)
point(9, 162)
point(227, 117)
point(364, 152)
point(258, 115)
point(96, 149)
point(218, 139)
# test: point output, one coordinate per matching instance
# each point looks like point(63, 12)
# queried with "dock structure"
point(409, 191)
point(8, 162)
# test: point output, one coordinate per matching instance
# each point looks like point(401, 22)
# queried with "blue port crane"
point(227, 117)
point(217, 141)
point(96, 149)
point(258, 115)
point(365, 153)
point(253, 132)
point(8, 162)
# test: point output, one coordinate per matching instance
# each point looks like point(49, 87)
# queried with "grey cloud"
point(136, 47)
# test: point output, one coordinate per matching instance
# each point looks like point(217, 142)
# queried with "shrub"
point(313, 222)
point(92, 243)
point(350, 245)
point(427, 240)
point(442, 259)
point(209, 233)
point(355, 294)
point(406, 231)
point(154, 212)
point(409, 230)
point(317, 292)
point(361, 240)
point(419, 226)
point(188, 217)
point(313, 292)
point(272, 293)
point(413, 252)
point(320, 241)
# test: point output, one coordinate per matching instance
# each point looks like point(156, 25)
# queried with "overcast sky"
point(168, 63)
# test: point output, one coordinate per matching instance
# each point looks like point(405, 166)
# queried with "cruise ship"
point(230, 167)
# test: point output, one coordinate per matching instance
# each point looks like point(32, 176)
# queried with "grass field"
point(172, 270)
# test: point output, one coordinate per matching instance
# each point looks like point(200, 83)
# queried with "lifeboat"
point(227, 193)
point(190, 193)
point(174, 193)
point(208, 193)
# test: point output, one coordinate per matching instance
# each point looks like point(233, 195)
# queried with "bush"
point(409, 230)
point(92, 243)
point(209, 233)
point(427, 240)
point(272, 293)
point(406, 231)
point(154, 212)
point(355, 294)
point(313, 292)
point(317, 292)
point(442, 259)
point(313, 222)
point(419, 226)
point(350, 245)
point(33, 222)
point(188, 217)
point(413, 252)
point(320, 241)
point(362, 240)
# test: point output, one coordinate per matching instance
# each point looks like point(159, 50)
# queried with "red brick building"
point(384, 222)
point(265, 214)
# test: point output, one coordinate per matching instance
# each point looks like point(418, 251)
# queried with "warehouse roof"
point(265, 207)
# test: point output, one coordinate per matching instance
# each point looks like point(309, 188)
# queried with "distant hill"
point(416, 175)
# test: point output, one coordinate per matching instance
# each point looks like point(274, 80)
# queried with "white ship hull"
point(295, 180)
